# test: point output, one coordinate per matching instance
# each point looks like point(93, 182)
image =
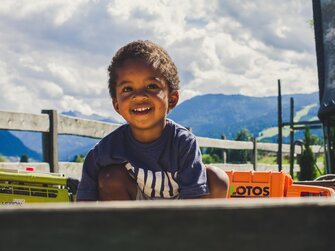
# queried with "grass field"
point(303, 112)
point(273, 131)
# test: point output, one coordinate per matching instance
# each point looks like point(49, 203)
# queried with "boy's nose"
point(140, 93)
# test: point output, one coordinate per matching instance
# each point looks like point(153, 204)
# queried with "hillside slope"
point(12, 146)
point(214, 115)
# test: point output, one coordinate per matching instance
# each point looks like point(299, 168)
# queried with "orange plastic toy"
point(271, 184)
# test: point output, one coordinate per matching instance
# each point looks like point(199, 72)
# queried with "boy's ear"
point(173, 100)
point(115, 104)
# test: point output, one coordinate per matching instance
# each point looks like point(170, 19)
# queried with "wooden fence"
point(51, 124)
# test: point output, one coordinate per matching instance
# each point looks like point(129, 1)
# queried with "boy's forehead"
point(135, 62)
point(134, 66)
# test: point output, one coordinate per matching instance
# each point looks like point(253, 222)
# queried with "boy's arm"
point(191, 177)
point(218, 183)
point(88, 186)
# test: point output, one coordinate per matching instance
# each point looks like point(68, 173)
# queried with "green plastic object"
point(18, 187)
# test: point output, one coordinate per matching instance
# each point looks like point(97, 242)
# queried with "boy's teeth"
point(141, 109)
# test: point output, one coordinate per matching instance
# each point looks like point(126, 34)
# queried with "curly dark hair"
point(153, 54)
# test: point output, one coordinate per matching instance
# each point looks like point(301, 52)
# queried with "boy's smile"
point(143, 99)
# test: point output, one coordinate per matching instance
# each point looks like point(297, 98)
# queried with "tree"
point(24, 158)
point(307, 159)
point(241, 156)
point(207, 159)
point(215, 153)
point(243, 135)
point(315, 140)
point(79, 158)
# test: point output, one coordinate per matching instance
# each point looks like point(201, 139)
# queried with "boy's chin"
point(148, 124)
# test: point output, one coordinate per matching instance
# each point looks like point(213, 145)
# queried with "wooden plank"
point(271, 147)
point(224, 144)
point(24, 121)
point(246, 224)
point(38, 166)
point(248, 145)
point(71, 169)
point(259, 167)
point(84, 127)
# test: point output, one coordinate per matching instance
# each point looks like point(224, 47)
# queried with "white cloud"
point(58, 11)
point(54, 54)
point(188, 93)
point(50, 90)
point(69, 103)
point(61, 72)
point(30, 63)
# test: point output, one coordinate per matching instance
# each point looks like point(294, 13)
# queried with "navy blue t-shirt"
point(168, 167)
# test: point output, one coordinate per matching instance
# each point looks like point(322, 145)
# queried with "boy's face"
point(142, 97)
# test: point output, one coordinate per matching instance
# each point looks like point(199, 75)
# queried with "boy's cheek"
point(162, 95)
point(116, 105)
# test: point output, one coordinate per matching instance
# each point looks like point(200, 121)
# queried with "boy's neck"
point(148, 135)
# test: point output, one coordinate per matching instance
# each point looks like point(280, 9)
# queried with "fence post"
point(291, 136)
point(254, 153)
point(224, 151)
point(280, 128)
point(49, 141)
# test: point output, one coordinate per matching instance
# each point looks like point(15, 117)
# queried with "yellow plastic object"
point(17, 187)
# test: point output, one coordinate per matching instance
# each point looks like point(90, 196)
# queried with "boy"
point(150, 157)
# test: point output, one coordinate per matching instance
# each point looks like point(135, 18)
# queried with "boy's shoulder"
point(111, 143)
point(180, 131)
point(117, 135)
point(171, 123)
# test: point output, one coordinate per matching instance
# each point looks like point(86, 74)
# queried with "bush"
point(307, 160)
point(2, 158)
point(216, 153)
point(208, 158)
point(79, 158)
point(241, 156)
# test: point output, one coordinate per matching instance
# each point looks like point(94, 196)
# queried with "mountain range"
point(214, 115)
point(211, 115)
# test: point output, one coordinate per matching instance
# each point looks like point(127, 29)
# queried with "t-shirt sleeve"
point(191, 177)
point(88, 186)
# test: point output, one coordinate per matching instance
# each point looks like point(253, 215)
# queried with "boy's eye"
point(127, 89)
point(152, 86)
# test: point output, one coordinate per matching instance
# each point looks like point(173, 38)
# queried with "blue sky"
point(54, 54)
